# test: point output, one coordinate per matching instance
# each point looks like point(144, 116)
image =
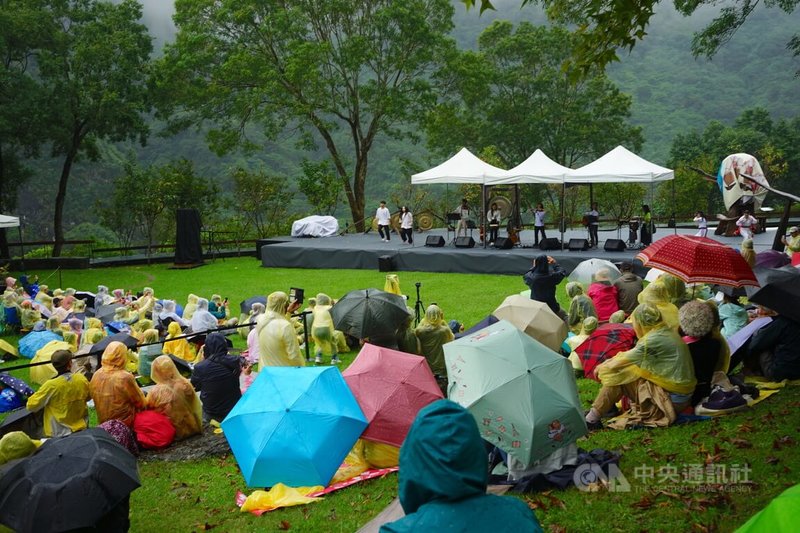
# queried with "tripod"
point(419, 308)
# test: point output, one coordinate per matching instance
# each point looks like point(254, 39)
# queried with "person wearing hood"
point(190, 307)
point(28, 316)
point(580, 306)
point(63, 399)
point(732, 315)
point(407, 340)
point(433, 333)
point(146, 302)
point(102, 297)
point(119, 297)
point(11, 285)
point(43, 298)
point(168, 314)
point(675, 287)
point(443, 478)
point(628, 285)
point(202, 320)
point(178, 347)
point(603, 295)
point(699, 324)
point(114, 390)
point(748, 252)
point(147, 354)
point(543, 278)
point(322, 330)
point(31, 288)
point(122, 314)
point(656, 294)
point(218, 307)
point(174, 397)
point(217, 378)
point(278, 345)
point(656, 375)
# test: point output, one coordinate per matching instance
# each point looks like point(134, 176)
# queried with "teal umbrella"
point(523, 395)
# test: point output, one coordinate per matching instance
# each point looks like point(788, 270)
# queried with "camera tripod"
point(419, 308)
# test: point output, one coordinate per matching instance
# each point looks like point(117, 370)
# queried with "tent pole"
point(675, 227)
point(21, 250)
point(482, 215)
point(562, 224)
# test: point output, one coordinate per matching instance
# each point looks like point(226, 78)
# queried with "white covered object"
point(315, 226)
point(464, 167)
point(7, 221)
point(538, 168)
point(620, 166)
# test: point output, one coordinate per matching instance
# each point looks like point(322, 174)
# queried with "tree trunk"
point(58, 215)
point(357, 200)
point(4, 251)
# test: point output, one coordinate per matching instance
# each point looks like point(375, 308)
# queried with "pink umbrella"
point(390, 387)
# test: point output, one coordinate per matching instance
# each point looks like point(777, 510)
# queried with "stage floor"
point(364, 251)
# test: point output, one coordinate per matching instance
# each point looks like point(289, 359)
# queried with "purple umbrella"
point(772, 259)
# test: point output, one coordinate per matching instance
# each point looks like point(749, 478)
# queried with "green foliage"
point(512, 94)
point(309, 66)
point(261, 201)
point(320, 185)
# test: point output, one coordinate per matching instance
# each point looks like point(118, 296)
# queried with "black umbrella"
point(245, 305)
point(105, 313)
point(23, 420)
point(733, 292)
point(779, 291)
point(485, 323)
point(87, 297)
point(70, 483)
point(184, 368)
point(124, 338)
point(369, 313)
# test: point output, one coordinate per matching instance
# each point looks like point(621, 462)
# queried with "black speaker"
point(614, 245)
point(188, 248)
point(578, 245)
point(550, 243)
point(436, 241)
point(385, 263)
point(504, 243)
point(465, 242)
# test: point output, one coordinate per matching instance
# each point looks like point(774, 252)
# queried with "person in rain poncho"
point(102, 297)
point(123, 314)
point(79, 310)
point(792, 243)
point(54, 325)
point(617, 317)
point(119, 297)
point(580, 306)
point(407, 340)
point(31, 288)
point(256, 310)
point(93, 332)
point(174, 397)
point(443, 478)
point(17, 445)
point(656, 375)
point(190, 307)
point(138, 329)
point(433, 333)
point(710, 353)
point(11, 285)
point(145, 304)
point(178, 347)
point(773, 351)
point(656, 295)
point(732, 315)
point(114, 390)
point(43, 298)
point(202, 320)
point(217, 378)
point(218, 307)
point(748, 253)
point(63, 399)
point(148, 353)
point(603, 295)
point(277, 340)
point(392, 284)
point(29, 316)
point(588, 326)
point(322, 330)
point(168, 314)
point(543, 278)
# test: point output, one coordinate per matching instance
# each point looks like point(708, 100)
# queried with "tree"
point(512, 94)
point(603, 26)
point(262, 200)
point(95, 75)
point(344, 72)
point(320, 185)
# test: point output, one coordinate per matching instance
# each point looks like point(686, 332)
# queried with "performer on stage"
point(747, 225)
point(538, 224)
point(383, 216)
point(593, 224)
point(406, 225)
point(493, 217)
point(463, 212)
point(702, 224)
point(647, 226)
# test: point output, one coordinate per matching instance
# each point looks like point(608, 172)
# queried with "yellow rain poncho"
point(43, 298)
point(41, 373)
point(29, 316)
point(675, 287)
point(178, 347)
point(392, 284)
point(145, 304)
point(148, 353)
point(656, 294)
point(580, 306)
point(174, 397)
point(322, 326)
point(277, 340)
point(138, 329)
point(660, 356)
point(190, 307)
point(114, 390)
point(433, 333)
point(588, 326)
point(63, 399)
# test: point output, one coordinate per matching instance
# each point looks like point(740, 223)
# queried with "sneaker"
point(335, 360)
point(318, 360)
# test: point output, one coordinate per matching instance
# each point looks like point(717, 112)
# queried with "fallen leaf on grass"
point(555, 528)
point(741, 443)
point(780, 443)
point(206, 526)
point(772, 460)
point(644, 503)
point(744, 428)
point(284, 525)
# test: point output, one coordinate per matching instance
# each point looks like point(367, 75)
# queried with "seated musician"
point(493, 216)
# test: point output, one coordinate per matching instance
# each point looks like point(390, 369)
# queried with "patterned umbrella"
point(604, 343)
point(698, 260)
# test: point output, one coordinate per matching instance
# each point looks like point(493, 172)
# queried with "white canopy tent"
point(7, 221)
point(464, 167)
point(620, 166)
point(538, 168)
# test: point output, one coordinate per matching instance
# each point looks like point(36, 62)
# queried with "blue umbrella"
point(35, 340)
point(294, 425)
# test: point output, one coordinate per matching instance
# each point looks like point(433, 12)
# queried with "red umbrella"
point(699, 260)
point(604, 343)
point(390, 387)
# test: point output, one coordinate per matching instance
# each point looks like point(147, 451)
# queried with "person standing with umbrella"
point(543, 278)
point(63, 399)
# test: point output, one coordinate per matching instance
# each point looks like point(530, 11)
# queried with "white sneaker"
point(318, 360)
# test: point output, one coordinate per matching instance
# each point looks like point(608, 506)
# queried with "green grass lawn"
point(759, 444)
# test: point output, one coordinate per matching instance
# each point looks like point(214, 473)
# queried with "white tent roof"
point(8, 221)
point(620, 166)
point(464, 167)
point(538, 168)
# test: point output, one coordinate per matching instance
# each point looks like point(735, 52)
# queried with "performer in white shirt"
point(406, 225)
point(383, 216)
point(702, 224)
point(538, 224)
point(463, 213)
point(747, 224)
point(493, 216)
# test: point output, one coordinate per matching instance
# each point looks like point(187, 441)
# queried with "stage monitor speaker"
point(614, 245)
point(437, 241)
point(386, 263)
point(465, 242)
point(188, 247)
point(578, 245)
point(504, 243)
point(550, 243)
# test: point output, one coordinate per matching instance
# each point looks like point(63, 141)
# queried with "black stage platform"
point(362, 251)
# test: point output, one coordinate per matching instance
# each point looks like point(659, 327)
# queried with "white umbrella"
point(585, 271)
point(653, 274)
point(534, 318)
